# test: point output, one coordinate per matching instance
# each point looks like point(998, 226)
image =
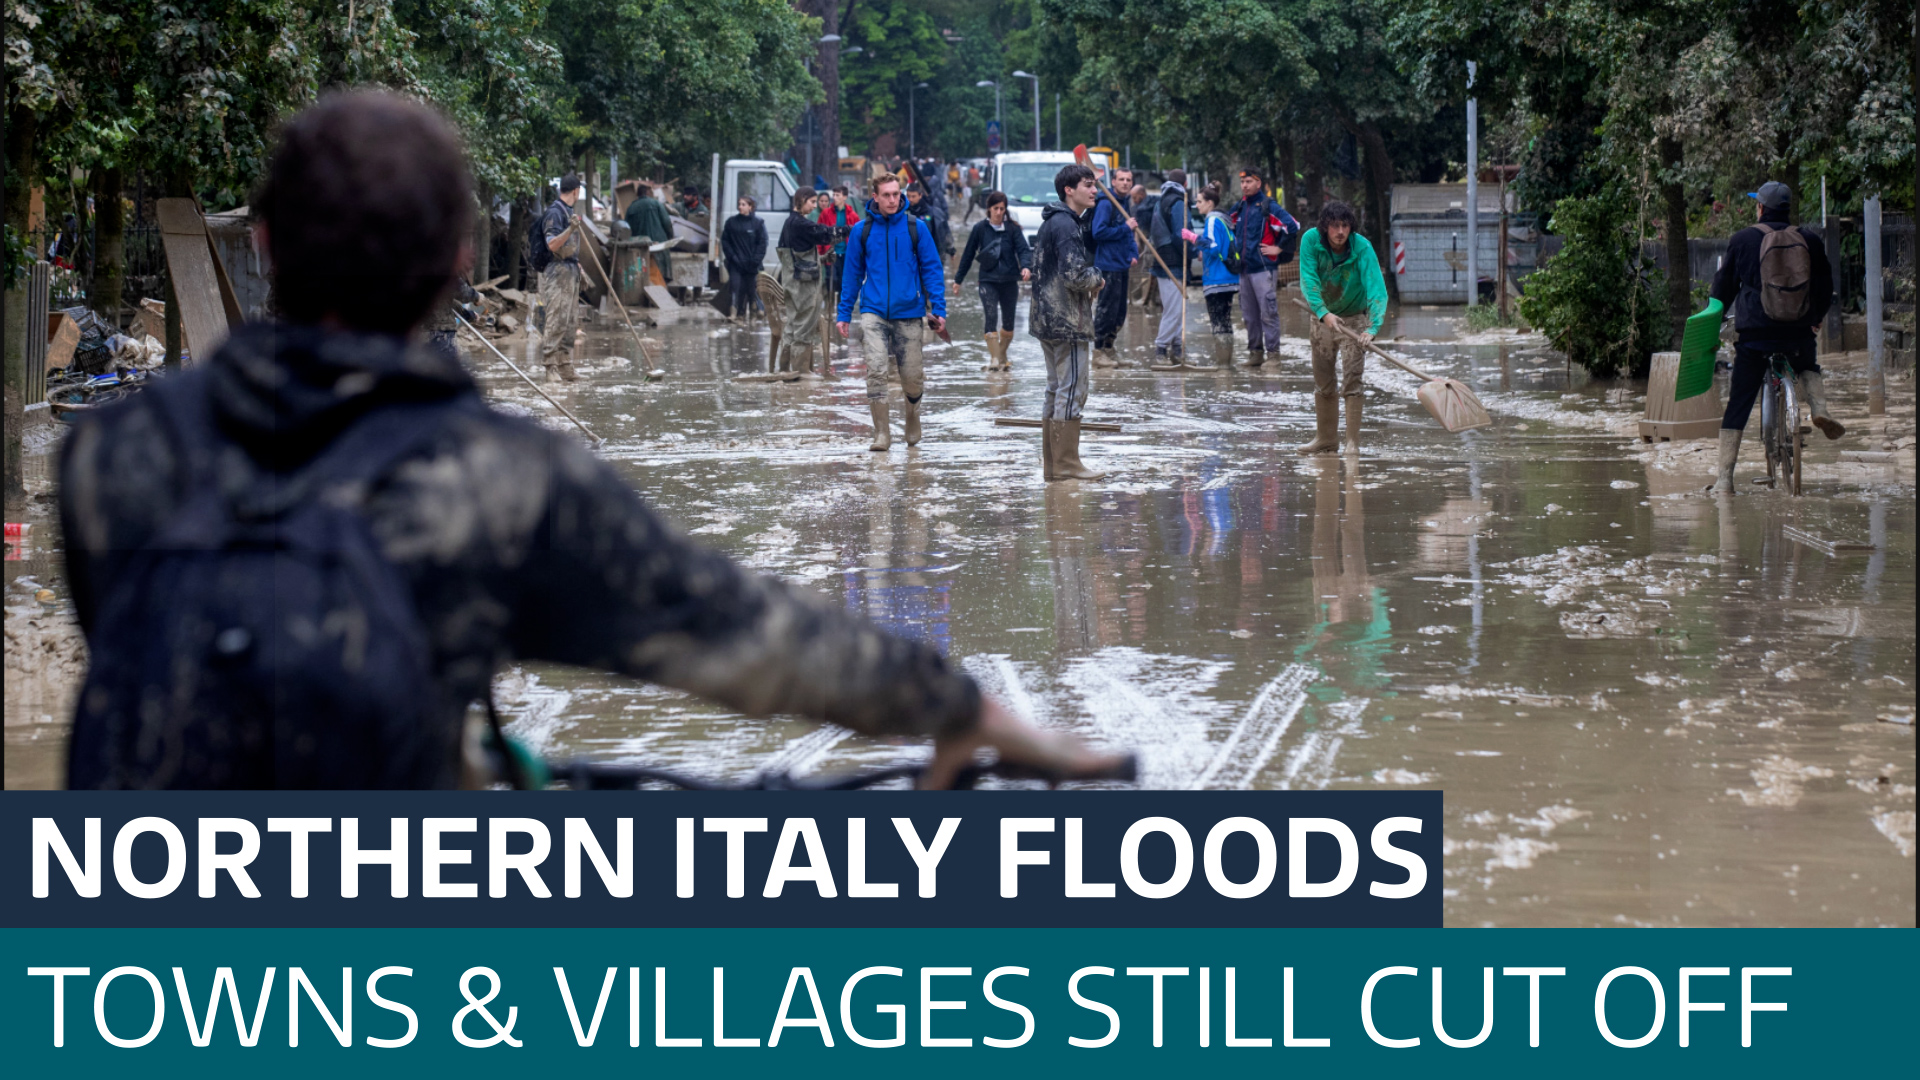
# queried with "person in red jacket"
point(839, 215)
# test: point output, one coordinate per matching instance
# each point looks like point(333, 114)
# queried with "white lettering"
point(1263, 873)
point(899, 1012)
point(926, 857)
point(806, 831)
point(1659, 1007)
point(499, 860)
point(1182, 858)
point(1297, 831)
point(123, 858)
point(1113, 1018)
point(1383, 848)
point(84, 876)
point(432, 857)
point(352, 858)
point(736, 829)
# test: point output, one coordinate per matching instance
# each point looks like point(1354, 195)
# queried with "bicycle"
point(1781, 432)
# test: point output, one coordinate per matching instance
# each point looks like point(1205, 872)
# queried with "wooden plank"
point(1022, 422)
point(661, 298)
point(62, 339)
point(196, 285)
point(228, 298)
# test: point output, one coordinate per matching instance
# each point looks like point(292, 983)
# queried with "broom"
point(1082, 157)
point(1449, 400)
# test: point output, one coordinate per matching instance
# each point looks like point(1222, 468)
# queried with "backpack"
point(1231, 258)
point(1786, 273)
point(538, 253)
point(263, 640)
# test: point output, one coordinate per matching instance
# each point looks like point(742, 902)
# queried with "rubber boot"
point(913, 422)
point(1066, 453)
point(1006, 346)
point(1729, 454)
point(992, 338)
point(882, 438)
point(1353, 423)
point(564, 368)
point(1105, 358)
point(1815, 386)
point(1046, 450)
point(802, 358)
point(1256, 357)
point(1326, 423)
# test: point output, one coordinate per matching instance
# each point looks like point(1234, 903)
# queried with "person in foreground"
point(895, 273)
point(300, 565)
point(1777, 284)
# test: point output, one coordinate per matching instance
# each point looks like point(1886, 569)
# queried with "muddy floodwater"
point(1645, 706)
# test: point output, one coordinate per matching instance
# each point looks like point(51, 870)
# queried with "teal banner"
point(817, 1002)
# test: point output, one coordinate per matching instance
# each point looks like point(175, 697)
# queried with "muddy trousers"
point(1750, 374)
point(1260, 307)
point(1069, 377)
point(1173, 311)
point(560, 299)
point(998, 300)
point(1329, 344)
point(1220, 314)
point(1110, 308)
point(891, 344)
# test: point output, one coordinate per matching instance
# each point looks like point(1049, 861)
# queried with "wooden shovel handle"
point(1141, 233)
point(1371, 347)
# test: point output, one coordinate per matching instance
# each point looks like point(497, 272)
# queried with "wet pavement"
point(1645, 706)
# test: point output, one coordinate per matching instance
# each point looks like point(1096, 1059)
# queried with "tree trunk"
point(826, 115)
point(516, 233)
point(482, 234)
point(1379, 187)
point(21, 128)
point(110, 237)
point(1289, 197)
point(1679, 267)
point(1315, 178)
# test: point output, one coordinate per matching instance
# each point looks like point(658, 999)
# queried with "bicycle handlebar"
point(597, 776)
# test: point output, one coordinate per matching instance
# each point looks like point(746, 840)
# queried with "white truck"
point(1027, 178)
point(767, 183)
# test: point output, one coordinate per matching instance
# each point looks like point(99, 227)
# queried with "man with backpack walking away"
point(1264, 238)
point(1169, 222)
point(1777, 284)
point(300, 564)
point(1064, 283)
point(894, 270)
point(1115, 251)
point(556, 254)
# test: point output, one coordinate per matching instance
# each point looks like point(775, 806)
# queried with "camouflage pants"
point(560, 299)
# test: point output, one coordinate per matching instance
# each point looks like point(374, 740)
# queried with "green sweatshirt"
point(1342, 284)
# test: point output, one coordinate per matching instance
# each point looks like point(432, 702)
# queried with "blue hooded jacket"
point(1114, 245)
point(880, 269)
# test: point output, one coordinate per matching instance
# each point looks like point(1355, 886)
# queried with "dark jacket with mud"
point(515, 541)
point(743, 240)
point(1737, 285)
point(1064, 277)
point(1002, 252)
point(1169, 217)
point(803, 235)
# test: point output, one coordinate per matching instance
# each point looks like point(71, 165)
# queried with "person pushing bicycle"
point(1778, 284)
point(299, 565)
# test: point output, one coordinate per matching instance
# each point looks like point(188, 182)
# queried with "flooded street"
point(1644, 706)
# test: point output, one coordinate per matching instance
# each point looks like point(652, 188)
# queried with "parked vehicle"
point(1027, 178)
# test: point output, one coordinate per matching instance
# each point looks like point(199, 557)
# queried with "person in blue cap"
point(1778, 284)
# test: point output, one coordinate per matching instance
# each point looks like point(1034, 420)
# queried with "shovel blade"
point(1454, 405)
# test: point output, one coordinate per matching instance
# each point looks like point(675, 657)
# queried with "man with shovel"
point(1340, 279)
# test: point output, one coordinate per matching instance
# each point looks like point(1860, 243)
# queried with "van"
point(1027, 179)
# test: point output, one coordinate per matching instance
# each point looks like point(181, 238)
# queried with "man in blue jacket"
point(1115, 251)
point(1264, 233)
point(894, 269)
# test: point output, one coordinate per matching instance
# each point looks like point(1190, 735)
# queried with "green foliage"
point(1599, 299)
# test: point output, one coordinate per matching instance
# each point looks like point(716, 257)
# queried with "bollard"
point(1876, 326)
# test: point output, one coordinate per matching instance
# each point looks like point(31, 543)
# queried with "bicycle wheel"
point(1769, 428)
point(1790, 445)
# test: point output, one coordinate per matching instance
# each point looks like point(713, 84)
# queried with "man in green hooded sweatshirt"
point(1340, 279)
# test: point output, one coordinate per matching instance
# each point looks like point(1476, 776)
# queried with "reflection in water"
point(902, 585)
point(1075, 621)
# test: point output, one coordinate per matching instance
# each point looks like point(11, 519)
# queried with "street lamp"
point(813, 133)
point(912, 93)
point(1036, 105)
point(995, 83)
